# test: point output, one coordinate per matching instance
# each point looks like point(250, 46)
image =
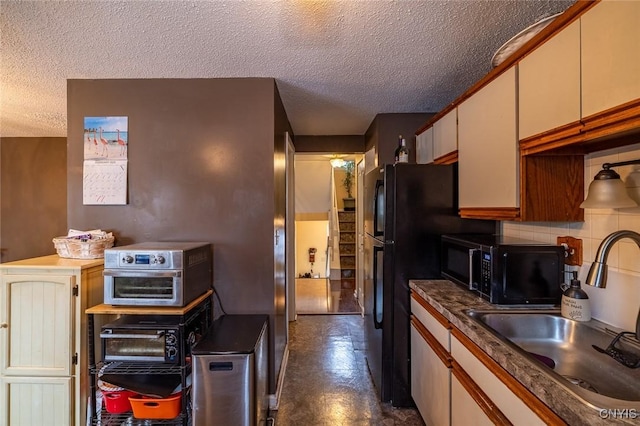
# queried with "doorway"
point(326, 234)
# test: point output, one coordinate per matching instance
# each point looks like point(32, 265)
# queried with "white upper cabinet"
point(445, 134)
point(610, 55)
point(549, 84)
point(488, 146)
point(424, 147)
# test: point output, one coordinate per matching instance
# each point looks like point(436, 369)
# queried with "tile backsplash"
point(619, 302)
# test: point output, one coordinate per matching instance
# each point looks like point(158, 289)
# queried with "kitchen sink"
point(565, 351)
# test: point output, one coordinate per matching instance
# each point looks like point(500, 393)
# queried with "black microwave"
point(504, 270)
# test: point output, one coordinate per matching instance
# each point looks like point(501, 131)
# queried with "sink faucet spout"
point(597, 275)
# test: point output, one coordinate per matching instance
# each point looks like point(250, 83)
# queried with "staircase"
point(347, 223)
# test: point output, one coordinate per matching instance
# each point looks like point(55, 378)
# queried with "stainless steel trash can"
point(230, 373)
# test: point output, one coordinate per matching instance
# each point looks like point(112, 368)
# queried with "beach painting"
point(106, 138)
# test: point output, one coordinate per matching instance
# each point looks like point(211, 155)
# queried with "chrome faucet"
point(597, 275)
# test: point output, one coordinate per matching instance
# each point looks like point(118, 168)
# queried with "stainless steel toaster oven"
point(157, 274)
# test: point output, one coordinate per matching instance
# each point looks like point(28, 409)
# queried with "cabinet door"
point(610, 59)
point(445, 134)
point(26, 401)
point(424, 147)
point(430, 381)
point(488, 146)
point(464, 409)
point(506, 401)
point(549, 84)
point(37, 310)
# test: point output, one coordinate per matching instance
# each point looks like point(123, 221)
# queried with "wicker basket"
point(72, 248)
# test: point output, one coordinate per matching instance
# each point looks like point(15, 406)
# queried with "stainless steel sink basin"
point(563, 348)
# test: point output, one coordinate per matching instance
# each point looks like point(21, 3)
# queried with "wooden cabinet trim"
point(613, 122)
point(619, 119)
point(484, 402)
point(431, 310)
point(433, 343)
point(496, 213)
point(570, 15)
point(449, 158)
point(552, 139)
point(537, 406)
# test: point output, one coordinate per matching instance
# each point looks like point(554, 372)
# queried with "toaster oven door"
point(146, 288)
point(133, 345)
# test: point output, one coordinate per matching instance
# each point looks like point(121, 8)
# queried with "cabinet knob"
point(4, 325)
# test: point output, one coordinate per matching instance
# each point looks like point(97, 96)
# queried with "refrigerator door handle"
point(377, 291)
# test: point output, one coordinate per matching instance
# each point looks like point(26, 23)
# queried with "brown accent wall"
point(279, 321)
point(201, 168)
point(33, 196)
point(384, 130)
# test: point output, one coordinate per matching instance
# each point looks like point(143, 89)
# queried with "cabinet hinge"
point(75, 290)
point(74, 358)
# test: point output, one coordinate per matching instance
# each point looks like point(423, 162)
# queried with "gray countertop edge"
point(452, 300)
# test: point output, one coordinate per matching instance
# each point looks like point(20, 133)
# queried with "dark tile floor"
point(327, 381)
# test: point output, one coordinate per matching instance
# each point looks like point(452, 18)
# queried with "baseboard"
point(274, 399)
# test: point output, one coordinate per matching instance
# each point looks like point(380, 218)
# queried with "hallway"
point(327, 382)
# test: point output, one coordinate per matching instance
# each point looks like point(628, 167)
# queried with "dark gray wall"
point(33, 196)
point(338, 144)
point(384, 130)
point(201, 167)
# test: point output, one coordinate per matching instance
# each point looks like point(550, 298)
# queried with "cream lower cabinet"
point(43, 336)
point(452, 386)
point(430, 364)
point(494, 392)
point(464, 408)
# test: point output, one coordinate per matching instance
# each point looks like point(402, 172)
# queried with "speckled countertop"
point(452, 301)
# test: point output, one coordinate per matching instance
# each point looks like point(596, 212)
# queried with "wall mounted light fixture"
point(607, 191)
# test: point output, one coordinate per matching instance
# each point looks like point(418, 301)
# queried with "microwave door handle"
point(472, 285)
point(108, 335)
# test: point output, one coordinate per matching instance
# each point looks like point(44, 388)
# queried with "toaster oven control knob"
point(128, 259)
point(170, 339)
point(172, 352)
point(160, 259)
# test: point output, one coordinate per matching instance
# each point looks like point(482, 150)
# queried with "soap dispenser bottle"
point(575, 301)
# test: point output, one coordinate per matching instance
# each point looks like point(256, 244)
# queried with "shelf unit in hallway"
point(347, 224)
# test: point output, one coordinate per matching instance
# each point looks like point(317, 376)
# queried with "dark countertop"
point(452, 300)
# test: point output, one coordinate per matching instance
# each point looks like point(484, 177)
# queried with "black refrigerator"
point(408, 207)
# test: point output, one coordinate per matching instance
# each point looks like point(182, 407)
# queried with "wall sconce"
point(337, 162)
point(607, 191)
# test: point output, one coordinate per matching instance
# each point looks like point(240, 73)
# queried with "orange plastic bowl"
point(156, 408)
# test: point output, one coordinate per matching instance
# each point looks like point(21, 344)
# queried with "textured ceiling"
point(336, 63)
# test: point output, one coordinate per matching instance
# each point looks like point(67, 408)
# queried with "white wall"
point(618, 303)
point(311, 233)
point(313, 184)
point(313, 202)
